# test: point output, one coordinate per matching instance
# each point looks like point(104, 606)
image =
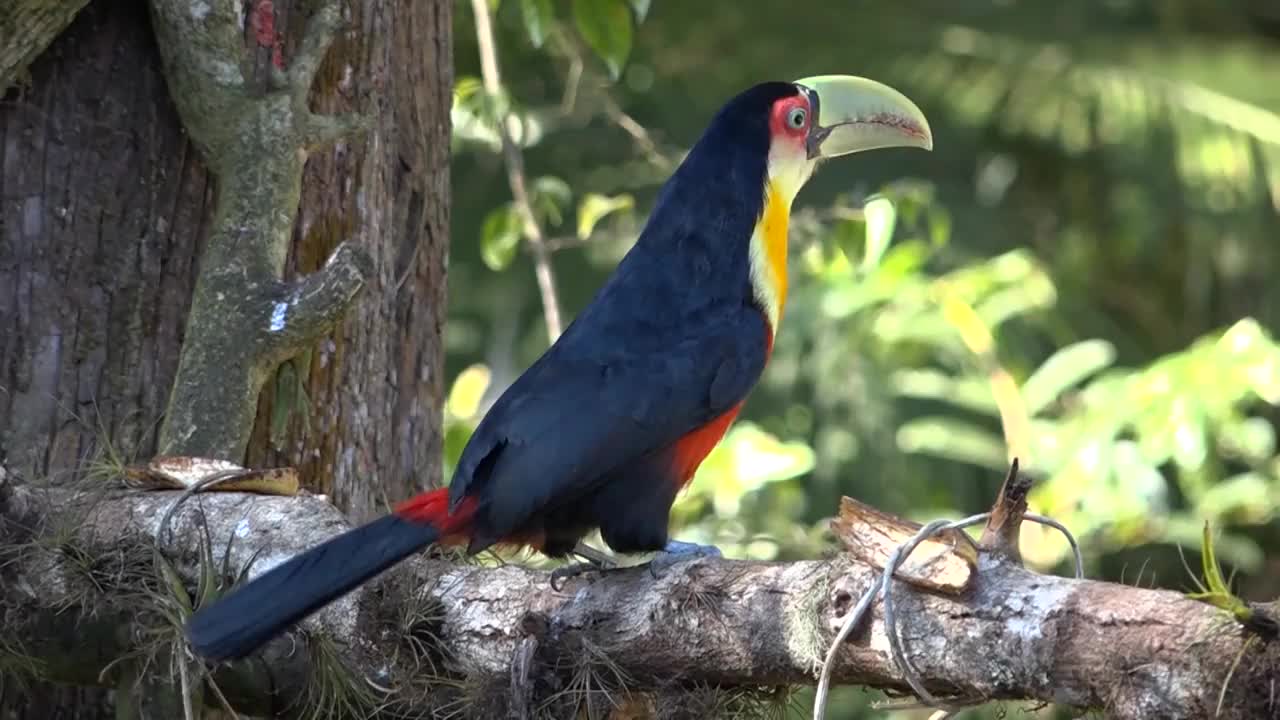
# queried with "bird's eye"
point(796, 118)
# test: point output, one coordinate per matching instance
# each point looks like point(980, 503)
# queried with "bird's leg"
point(596, 561)
point(677, 552)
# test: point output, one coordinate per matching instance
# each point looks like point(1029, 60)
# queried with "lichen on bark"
point(244, 320)
point(26, 29)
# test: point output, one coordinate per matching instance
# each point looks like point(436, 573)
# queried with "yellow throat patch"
point(769, 254)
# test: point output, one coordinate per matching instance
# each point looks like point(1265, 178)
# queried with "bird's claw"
point(564, 573)
point(596, 562)
point(677, 552)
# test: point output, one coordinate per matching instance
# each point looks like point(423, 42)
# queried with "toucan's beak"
point(856, 114)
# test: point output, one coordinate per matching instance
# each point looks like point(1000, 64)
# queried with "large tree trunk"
point(376, 390)
point(104, 210)
point(102, 202)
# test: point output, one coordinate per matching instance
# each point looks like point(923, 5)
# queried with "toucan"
point(605, 428)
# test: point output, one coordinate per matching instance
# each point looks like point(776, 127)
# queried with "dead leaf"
point(180, 473)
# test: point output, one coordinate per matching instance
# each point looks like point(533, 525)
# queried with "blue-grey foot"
point(597, 561)
point(677, 552)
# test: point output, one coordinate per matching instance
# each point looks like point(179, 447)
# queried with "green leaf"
point(173, 580)
point(595, 207)
point(1217, 592)
point(538, 16)
point(971, 393)
point(641, 8)
point(500, 237)
point(1252, 439)
point(550, 196)
point(745, 461)
point(880, 218)
point(605, 25)
point(1064, 369)
point(1245, 498)
point(953, 440)
point(850, 235)
point(939, 226)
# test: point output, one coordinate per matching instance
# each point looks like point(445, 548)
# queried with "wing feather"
point(572, 418)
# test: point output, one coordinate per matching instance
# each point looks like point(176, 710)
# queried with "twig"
point(565, 243)
point(184, 677)
point(637, 132)
point(612, 110)
point(492, 79)
point(571, 83)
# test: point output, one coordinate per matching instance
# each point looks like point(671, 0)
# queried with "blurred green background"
point(1082, 274)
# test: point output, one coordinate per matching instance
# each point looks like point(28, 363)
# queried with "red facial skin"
point(780, 126)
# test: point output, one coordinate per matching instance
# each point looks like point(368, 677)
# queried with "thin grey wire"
point(882, 587)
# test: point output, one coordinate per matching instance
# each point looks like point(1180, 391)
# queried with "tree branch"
point(256, 144)
point(434, 632)
point(26, 29)
point(492, 79)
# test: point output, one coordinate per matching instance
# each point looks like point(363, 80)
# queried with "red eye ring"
point(791, 116)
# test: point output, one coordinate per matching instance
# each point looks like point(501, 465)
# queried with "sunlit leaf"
point(1248, 343)
point(538, 16)
point(1252, 439)
point(973, 393)
point(939, 227)
point(466, 87)
point(1190, 446)
point(953, 439)
point(595, 207)
point(880, 217)
point(1020, 299)
point(641, 8)
point(500, 237)
point(467, 391)
point(966, 321)
point(746, 460)
point(1139, 487)
point(1063, 370)
point(1236, 550)
point(1244, 497)
point(605, 25)
point(456, 435)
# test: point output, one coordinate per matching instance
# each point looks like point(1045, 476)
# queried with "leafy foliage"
point(1084, 281)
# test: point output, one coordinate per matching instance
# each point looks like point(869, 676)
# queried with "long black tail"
point(240, 623)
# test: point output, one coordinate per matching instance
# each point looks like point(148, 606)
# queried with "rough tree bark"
point(26, 29)
point(101, 212)
point(104, 208)
point(488, 640)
